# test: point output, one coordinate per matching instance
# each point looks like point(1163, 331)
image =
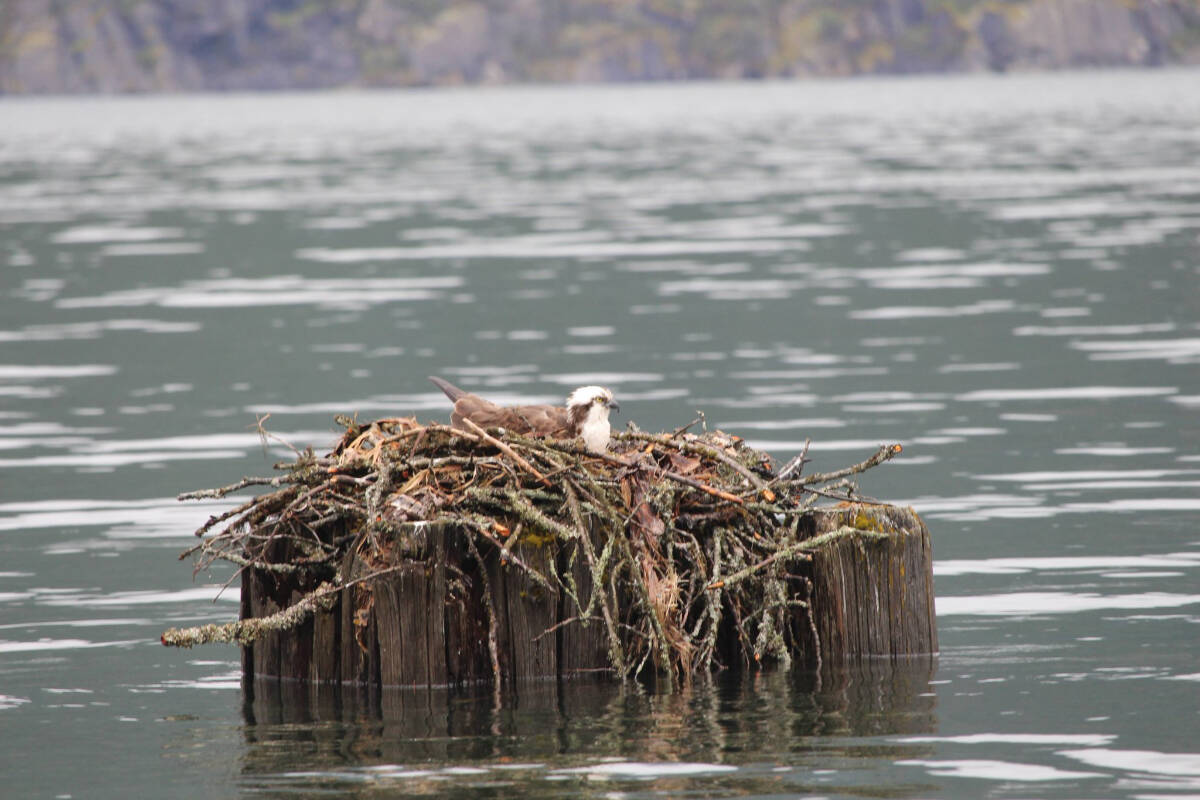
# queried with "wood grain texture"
point(426, 624)
point(582, 645)
point(872, 596)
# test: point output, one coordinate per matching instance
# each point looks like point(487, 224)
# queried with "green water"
point(999, 273)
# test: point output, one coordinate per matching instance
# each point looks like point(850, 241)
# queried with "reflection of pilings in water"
point(449, 613)
point(328, 726)
point(875, 697)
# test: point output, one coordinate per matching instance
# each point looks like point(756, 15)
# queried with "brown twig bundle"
point(699, 530)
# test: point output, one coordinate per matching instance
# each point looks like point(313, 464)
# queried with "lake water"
point(1002, 274)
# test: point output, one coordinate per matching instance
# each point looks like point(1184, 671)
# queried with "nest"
point(701, 533)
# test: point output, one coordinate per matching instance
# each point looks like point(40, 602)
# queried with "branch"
point(697, 448)
point(675, 476)
point(844, 531)
point(202, 494)
point(796, 464)
point(508, 451)
point(798, 549)
point(784, 553)
point(246, 631)
point(885, 453)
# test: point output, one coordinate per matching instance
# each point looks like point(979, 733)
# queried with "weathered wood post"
point(872, 585)
point(429, 623)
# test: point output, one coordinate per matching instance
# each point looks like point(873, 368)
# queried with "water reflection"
point(761, 732)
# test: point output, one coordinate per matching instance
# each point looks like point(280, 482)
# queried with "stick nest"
point(699, 532)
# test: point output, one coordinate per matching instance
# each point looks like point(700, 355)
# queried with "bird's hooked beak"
point(613, 405)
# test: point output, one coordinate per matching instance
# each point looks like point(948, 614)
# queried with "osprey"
point(585, 416)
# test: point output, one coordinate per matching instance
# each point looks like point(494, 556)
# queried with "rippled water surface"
point(1000, 274)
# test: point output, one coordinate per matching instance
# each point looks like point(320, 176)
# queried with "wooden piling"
point(872, 592)
point(867, 593)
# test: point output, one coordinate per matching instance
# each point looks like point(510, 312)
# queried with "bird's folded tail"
point(452, 391)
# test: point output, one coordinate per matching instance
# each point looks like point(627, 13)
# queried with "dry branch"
point(885, 453)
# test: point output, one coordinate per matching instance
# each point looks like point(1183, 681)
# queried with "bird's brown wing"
point(545, 420)
point(538, 420)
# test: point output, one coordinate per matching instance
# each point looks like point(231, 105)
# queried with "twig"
point(675, 476)
point(203, 494)
point(795, 465)
point(795, 550)
point(683, 428)
point(246, 631)
point(508, 555)
point(724, 458)
point(732, 498)
point(843, 532)
point(701, 450)
point(616, 653)
point(885, 453)
point(493, 625)
point(508, 451)
point(264, 435)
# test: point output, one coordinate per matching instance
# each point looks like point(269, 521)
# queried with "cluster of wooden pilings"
point(448, 616)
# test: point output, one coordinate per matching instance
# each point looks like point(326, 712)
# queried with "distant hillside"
point(167, 45)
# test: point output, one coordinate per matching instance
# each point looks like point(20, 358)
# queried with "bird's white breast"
point(595, 429)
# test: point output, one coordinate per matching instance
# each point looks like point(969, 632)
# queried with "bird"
point(585, 415)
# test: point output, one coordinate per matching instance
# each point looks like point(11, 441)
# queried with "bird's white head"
point(588, 408)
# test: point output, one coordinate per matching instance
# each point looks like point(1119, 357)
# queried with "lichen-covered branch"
point(246, 631)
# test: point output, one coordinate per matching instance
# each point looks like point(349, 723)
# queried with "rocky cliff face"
point(167, 45)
